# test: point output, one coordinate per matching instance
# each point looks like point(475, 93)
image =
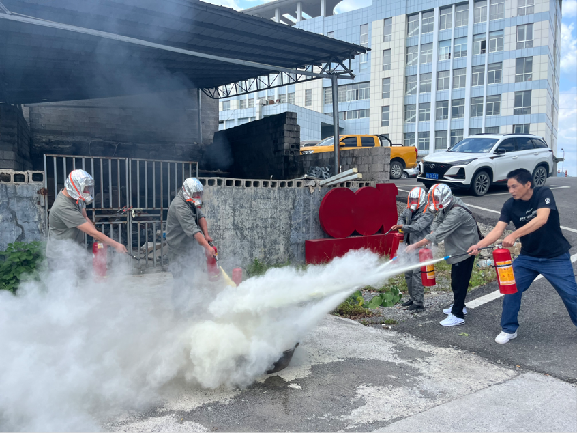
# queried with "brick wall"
point(15, 141)
point(264, 148)
point(153, 126)
point(373, 162)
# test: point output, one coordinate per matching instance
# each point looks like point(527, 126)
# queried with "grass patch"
point(256, 267)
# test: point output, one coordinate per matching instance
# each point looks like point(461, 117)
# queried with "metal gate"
point(131, 199)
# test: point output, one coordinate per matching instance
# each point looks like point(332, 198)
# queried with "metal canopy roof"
point(54, 50)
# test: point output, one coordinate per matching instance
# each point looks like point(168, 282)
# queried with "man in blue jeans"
point(544, 249)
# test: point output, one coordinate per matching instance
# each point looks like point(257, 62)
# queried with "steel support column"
point(335, 88)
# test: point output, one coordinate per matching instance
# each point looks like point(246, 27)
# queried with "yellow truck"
point(401, 156)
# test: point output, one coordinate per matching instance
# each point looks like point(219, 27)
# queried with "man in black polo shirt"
point(544, 249)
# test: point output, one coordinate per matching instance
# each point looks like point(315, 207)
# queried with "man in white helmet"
point(186, 226)
point(455, 225)
point(416, 224)
point(68, 220)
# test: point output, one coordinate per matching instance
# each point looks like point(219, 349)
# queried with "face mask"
point(413, 207)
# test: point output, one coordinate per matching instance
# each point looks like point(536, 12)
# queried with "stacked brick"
point(15, 140)
point(373, 163)
point(264, 149)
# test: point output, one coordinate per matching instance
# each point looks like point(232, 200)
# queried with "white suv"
point(480, 160)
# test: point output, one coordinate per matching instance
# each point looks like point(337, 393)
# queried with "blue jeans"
point(557, 270)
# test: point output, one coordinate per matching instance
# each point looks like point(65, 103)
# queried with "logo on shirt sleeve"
point(547, 200)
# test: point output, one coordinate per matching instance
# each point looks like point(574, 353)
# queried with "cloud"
point(351, 5)
point(568, 48)
point(569, 8)
point(567, 132)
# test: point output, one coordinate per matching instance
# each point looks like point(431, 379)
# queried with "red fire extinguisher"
point(427, 272)
point(99, 259)
point(504, 267)
point(237, 276)
point(212, 265)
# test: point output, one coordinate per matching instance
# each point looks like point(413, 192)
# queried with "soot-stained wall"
point(15, 142)
point(152, 126)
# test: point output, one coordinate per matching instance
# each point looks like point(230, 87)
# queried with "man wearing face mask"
point(455, 225)
point(416, 224)
point(68, 220)
point(186, 226)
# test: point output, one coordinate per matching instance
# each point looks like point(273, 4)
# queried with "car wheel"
point(396, 170)
point(480, 183)
point(404, 175)
point(539, 175)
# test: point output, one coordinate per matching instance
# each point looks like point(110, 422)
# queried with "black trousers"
point(460, 276)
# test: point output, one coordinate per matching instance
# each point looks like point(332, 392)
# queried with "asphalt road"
point(547, 339)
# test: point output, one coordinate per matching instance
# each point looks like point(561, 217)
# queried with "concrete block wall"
point(154, 126)
point(372, 162)
point(264, 149)
point(15, 140)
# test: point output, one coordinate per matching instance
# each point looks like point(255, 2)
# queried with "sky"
point(567, 132)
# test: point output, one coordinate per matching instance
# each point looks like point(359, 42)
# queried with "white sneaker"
point(451, 320)
point(503, 337)
point(448, 310)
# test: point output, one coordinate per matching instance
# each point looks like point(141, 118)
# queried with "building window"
point(492, 130)
point(364, 35)
point(462, 15)
point(426, 53)
point(251, 102)
point(308, 97)
point(459, 78)
point(282, 98)
point(443, 80)
point(457, 108)
point(342, 115)
point(354, 92)
point(342, 93)
point(521, 129)
point(409, 139)
point(331, 35)
point(413, 25)
point(386, 88)
point(428, 22)
point(475, 131)
point(494, 73)
point(412, 55)
point(440, 140)
point(456, 136)
point(426, 80)
point(477, 107)
point(327, 95)
point(364, 91)
point(525, 7)
point(444, 50)
point(522, 103)
point(355, 114)
point(446, 18)
point(291, 98)
point(493, 107)
point(524, 69)
point(496, 41)
point(387, 60)
point(241, 104)
point(225, 105)
point(480, 11)
point(497, 10)
point(410, 113)
point(424, 140)
point(424, 112)
point(478, 75)
point(385, 116)
point(387, 29)
point(411, 85)
point(479, 43)
point(442, 110)
point(460, 47)
point(525, 36)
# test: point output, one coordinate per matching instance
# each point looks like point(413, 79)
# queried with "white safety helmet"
point(80, 186)
point(192, 191)
point(417, 198)
point(440, 196)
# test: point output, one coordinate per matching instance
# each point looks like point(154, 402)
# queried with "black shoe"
point(416, 308)
point(406, 304)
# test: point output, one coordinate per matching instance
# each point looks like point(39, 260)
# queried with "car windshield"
point(327, 142)
point(474, 145)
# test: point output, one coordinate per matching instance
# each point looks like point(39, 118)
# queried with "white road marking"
point(496, 294)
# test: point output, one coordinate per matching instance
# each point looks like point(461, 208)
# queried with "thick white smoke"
point(75, 354)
